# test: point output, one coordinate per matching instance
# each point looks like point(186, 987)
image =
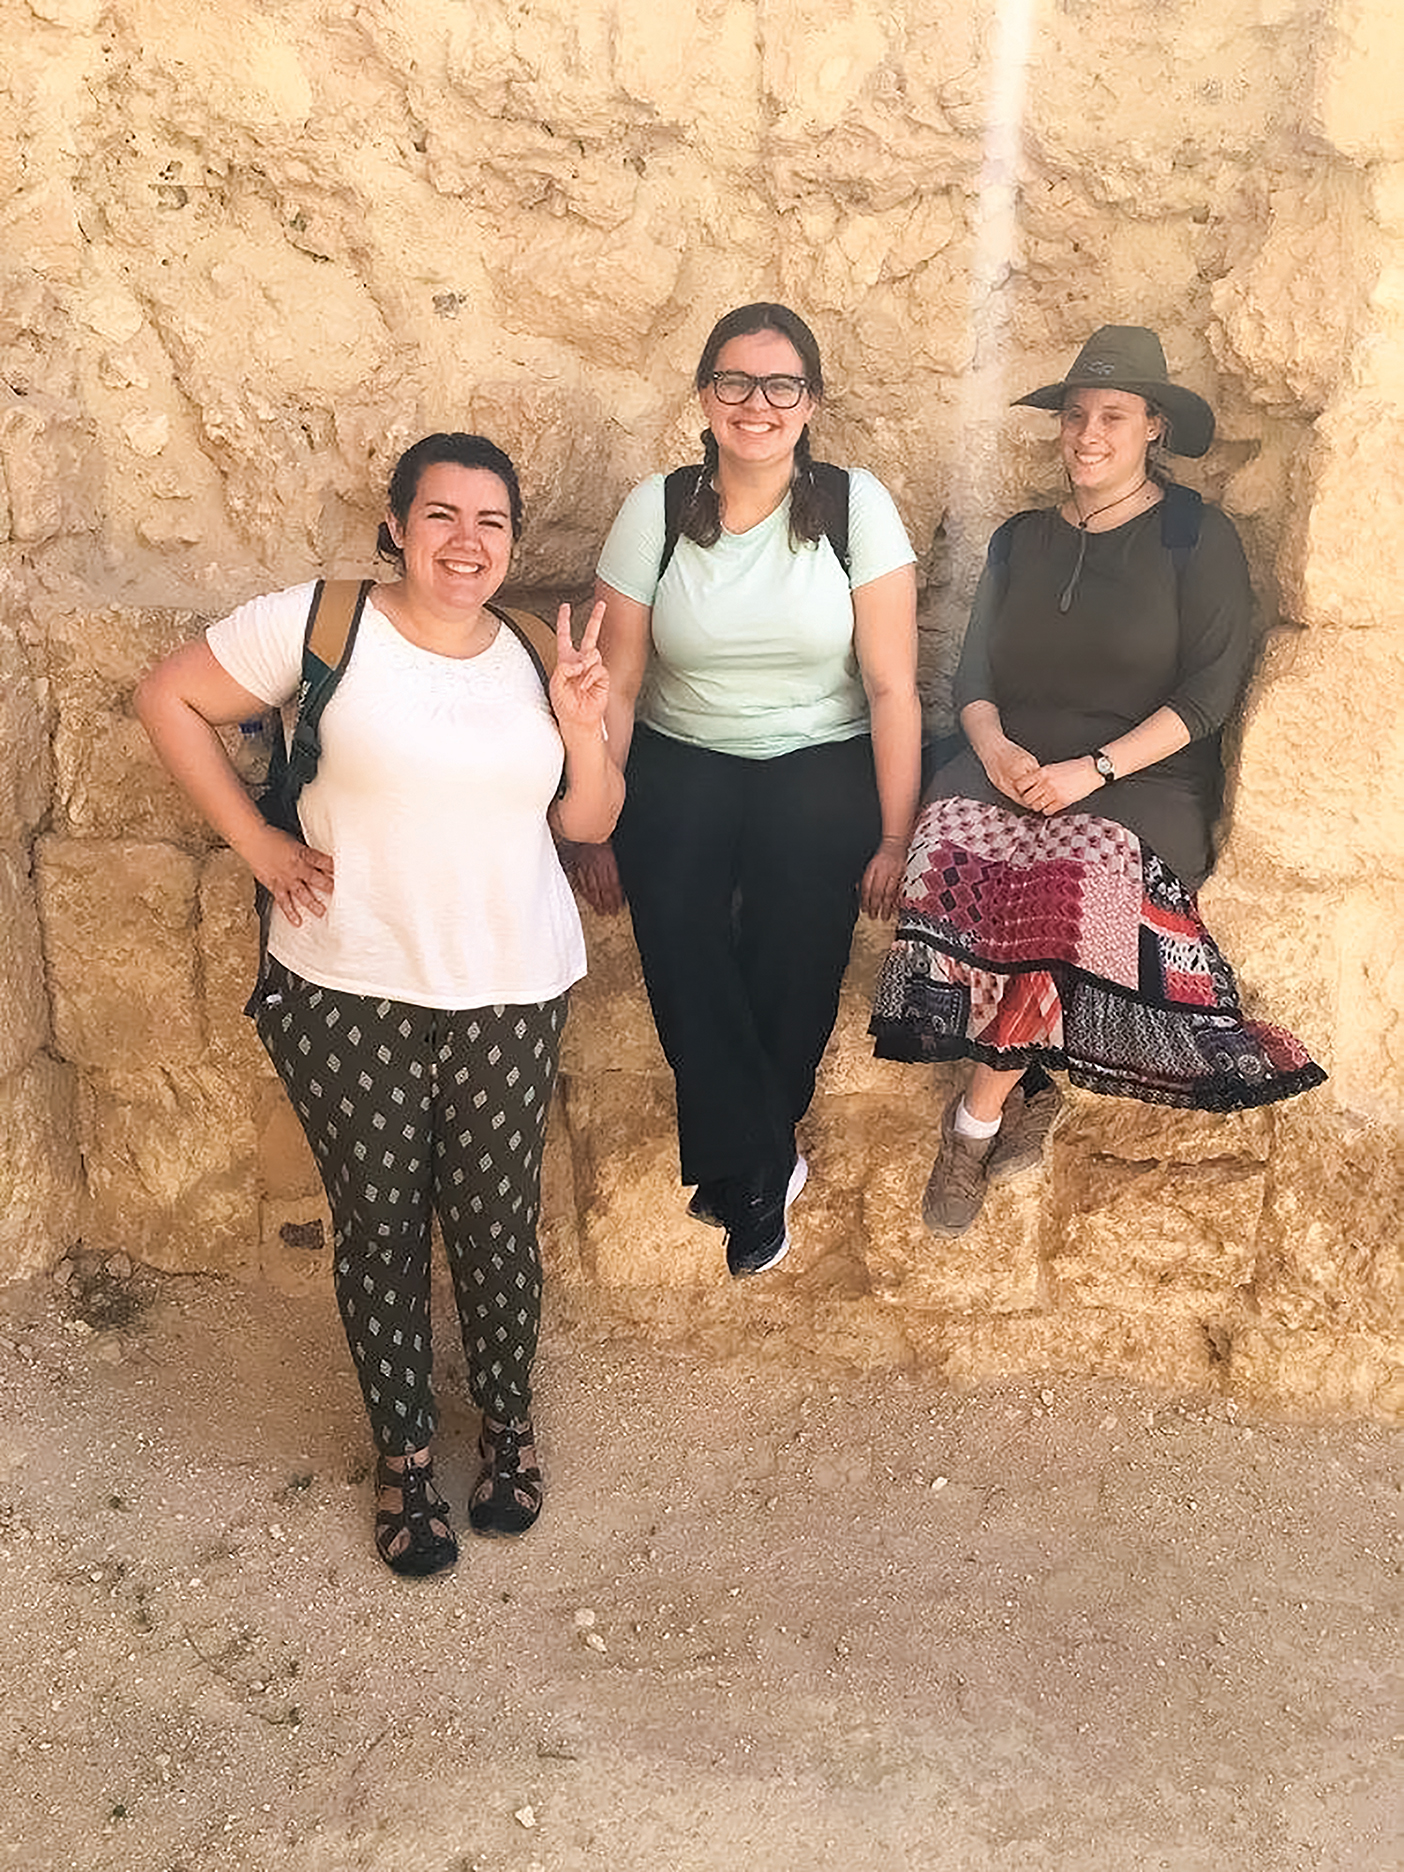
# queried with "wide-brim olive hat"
point(1128, 357)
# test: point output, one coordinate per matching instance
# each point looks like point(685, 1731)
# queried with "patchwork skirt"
point(1066, 943)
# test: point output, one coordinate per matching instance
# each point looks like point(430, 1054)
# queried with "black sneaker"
point(757, 1238)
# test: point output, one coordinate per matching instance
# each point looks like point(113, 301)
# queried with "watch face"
point(1104, 766)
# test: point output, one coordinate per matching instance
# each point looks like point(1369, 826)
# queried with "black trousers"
point(412, 1112)
point(742, 878)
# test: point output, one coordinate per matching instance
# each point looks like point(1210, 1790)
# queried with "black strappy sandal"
point(415, 1538)
point(507, 1494)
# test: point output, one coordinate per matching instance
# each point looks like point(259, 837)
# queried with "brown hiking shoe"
point(1019, 1142)
point(955, 1190)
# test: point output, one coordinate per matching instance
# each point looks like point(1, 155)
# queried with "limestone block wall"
point(247, 256)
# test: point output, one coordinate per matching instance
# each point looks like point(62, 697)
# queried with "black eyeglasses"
point(738, 386)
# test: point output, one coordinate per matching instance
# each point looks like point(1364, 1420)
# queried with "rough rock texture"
point(246, 257)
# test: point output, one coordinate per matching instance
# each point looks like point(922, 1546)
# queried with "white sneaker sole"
point(799, 1176)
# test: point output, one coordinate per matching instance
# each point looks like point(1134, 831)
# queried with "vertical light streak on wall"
point(983, 397)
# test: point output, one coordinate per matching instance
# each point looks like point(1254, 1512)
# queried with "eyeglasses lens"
point(780, 392)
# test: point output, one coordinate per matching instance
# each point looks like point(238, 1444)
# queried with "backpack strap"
point(1181, 514)
point(680, 485)
point(333, 619)
point(1002, 539)
point(328, 637)
point(678, 489)
point(833, 485)
point(534, 634)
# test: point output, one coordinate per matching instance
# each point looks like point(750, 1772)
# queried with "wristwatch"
point(1102, 762)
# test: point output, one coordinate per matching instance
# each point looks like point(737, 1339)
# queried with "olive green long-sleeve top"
point(1139, 635)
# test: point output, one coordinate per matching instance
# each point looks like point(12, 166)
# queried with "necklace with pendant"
point(1065, 601)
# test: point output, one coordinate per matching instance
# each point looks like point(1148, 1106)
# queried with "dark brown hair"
point(463, 451)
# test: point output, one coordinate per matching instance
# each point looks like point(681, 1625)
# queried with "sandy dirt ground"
point(780, 1618)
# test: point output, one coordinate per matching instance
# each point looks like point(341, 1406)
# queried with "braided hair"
point(701, 514)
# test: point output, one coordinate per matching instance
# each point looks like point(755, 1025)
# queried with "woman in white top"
point(421, 944)
point(763, 692)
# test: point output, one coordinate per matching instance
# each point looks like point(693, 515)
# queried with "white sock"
point(977, 1129)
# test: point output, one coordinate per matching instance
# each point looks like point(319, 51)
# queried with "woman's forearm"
point(195, 757)
point(1156, 738)
point(626, 643)
point(981, 725)
point(896, 729)
point(586, 812)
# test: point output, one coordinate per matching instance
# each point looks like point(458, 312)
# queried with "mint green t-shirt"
point(753, 638)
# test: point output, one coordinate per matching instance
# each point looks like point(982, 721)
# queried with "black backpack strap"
point(1002, 539)
point(1181, 514)
point(679, 486)
point(678, 489)
point(833, 484)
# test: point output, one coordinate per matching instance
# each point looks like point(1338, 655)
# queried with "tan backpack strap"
point(330, 626)
point(537, 636)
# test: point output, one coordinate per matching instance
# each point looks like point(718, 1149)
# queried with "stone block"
point(227, 947)
point(1332, 1240)
point(172, 1168)
point(610, 1028)
point(1171, 1354)
point(109, 783)
point(287, 1170)
point(24, 1025)
point(634, 1227)
point(1342, 560)
point(1157, 1235)
point(1368, 1044)
point(41, 1168)
point(103, 650)
point(1297, 810)
point(825, 1265)
point(848, 1065)
point(1127, 1132)
point(1318, 1374)
point(1283, 941)
point(559, 1229)
point(108, 780)
point(25, 764)
point(993, 1268)
point(1287, 341)
point(118, 921)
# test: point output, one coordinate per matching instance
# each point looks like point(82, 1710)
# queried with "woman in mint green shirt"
point(763, 703)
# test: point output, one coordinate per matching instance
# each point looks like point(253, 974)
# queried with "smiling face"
point(752, 432)
point(1103, 438)
point(456, 538)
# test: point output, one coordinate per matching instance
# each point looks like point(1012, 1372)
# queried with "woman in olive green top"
point(1048, 915)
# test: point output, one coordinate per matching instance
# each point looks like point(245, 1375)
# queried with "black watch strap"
point(1102, 762)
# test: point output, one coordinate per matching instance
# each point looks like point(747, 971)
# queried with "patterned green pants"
point(413, 1112)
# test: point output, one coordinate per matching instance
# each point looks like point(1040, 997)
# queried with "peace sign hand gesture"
point(580, 681)
point(594, 787)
